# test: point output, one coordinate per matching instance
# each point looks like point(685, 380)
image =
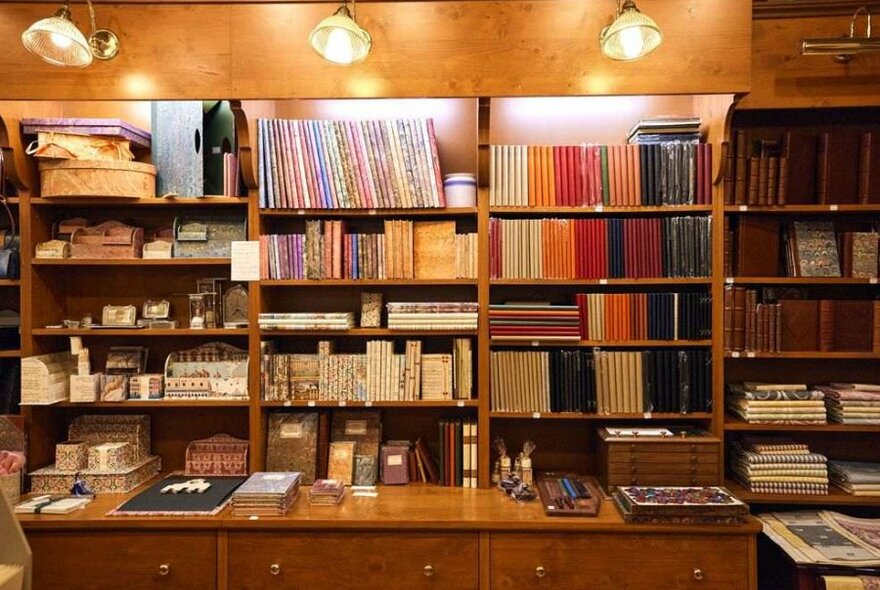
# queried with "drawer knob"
point(540, 571)
point(698, 574)
point(164, 569)
point(274, 569)
point(429, 571)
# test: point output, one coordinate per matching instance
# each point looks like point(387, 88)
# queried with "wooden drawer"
point(671, 447)
point(641, 479)
point(352, 560)
point(662, 468)
point(619, 562)
point(126, 560)
point(653, 457)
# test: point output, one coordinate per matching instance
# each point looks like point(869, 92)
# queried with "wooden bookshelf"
point(834, 497)
point(653, 416)
point(367, 282)
point(131, 262)
point(799, 281)
point(531, 342)
point(808, 354)
point(364, 333)
point(159, 403)
point(621, 282)
point(380, 213)
point(10, 354)
point(424, 404)
point(10, 283)
point(801, 209)
point(734, 424)
point(91, 202)
point(138, 332)
point(601, 211)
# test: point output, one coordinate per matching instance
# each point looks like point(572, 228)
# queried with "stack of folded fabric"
point(852, 403)
point(777, 465)
point(266, 494)
point(776, 403)
point(855, 477)
point(534, 322)
point(447, 315)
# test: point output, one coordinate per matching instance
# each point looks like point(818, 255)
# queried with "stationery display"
point(776, 403)
point(852, 403)
point(675, 247)
point(778, 465)
point(569, 495)
point(181, 495)
point(292, 444)
point(811, 537)
point(363, 428)
point(436, 316)
point(392, 163)
point(219, 455)
point(211, 371)
point(326, 492)
point(679, 505)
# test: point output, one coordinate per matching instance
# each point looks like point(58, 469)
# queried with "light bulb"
point(632, 42)
point(340, 48)
point(61, 41)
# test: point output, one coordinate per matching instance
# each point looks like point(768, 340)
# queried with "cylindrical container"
point(460, 190)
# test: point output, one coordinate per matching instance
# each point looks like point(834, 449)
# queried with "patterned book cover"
point(341, 463)
point(816, 249)
point(361, 427)
point(292, 444)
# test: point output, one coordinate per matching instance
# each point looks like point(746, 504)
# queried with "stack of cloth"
point(776, 403)
point(326, 492)
point(266, 494)
point(447, 315)
point(778, 465)
point(855, 477)
point(307, 321)
point(852, 403)
point(534, 322)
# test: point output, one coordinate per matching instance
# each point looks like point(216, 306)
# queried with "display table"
point(407, 538)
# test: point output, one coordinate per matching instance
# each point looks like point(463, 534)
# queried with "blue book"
point(321, 165)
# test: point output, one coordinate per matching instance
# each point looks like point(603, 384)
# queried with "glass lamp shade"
point(340, 40)
point(57, 41)
point(631, 36)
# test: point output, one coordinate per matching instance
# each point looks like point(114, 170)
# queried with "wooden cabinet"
point(352, 560)
point(126, 560)
point(605, 561)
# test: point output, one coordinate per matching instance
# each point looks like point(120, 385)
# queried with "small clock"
point(235, 307)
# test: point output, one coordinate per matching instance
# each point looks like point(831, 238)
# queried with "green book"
point(606, 189)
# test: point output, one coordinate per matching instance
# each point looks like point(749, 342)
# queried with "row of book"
point(801, 167)
point(458, 457)
point(406, 250)
point(603, 382)
point(534, 322)
point(778, 465)
point(790, 325)
point(307, 321)
point(655, 174)
point(320, 164)
point(766, 246)
point(379, 375)
point(600, 248)
point(432, 315)
point(770, 403)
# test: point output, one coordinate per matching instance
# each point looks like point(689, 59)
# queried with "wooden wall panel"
point(783, 78)
point(421, 49)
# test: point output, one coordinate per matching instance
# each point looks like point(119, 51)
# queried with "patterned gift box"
point(85, 388)
point(112, 456)
point(72, 455)
point(95, 429)
point(220, 454)
point(50, 480)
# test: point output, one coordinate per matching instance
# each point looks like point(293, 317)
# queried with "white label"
point(355, 427)
point(253, 517)
point(832, 207)
point(460, 404)
point(291, 431)
point(647, 415)
point(363, 494)
point(371, 212)
point(395, 460)
point(274, 476)
point(300, 211)
point(729, 280)
point(245, 261)
point(743, 207)
point(287, 404)
point(750, 355)
point(535, 343)
point(368, 404)
point(873, 280)
point(311, 403)
point(735, 354)
point(600, 208)
point(536, 415)
point(603, 281)
point(342, 403)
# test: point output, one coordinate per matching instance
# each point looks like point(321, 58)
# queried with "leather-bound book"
point(876, 325)
point(751, 319)
point(838, 159)
point(845, 245)
point(799, 151)
point(741, 169)
point(292, 444)
point(800, 325)
point(754, 180)
point(739, 319)
point(869, 169)
point(434, 249)
point(728, 162)
point(763, 178)
point(757, 247)
point(323, 449)
point(772, 180)
point(854, 325)
point(826, 325)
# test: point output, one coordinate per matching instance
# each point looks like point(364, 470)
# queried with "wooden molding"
point(763, 9)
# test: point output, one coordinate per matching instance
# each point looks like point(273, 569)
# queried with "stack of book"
point(776, 403)
point(778, 465)
point(855, 477)
point(601, 382)
point(645, 316)
point(445, 315)
point(534, 321)
point(326, 492)
point(458, 461)
point(600, 248)
point(665, 128)
point(307, 321)
point(310, 164)
point(266, 494)
point(852, 403)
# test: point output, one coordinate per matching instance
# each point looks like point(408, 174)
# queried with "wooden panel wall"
point(439, 49)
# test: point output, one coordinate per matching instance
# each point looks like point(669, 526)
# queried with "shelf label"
point(599, 208)
point(535, 343)
point(873, 280)
point(254, 517)
point(646, 415)
point(371, 212)
point(342, 403)
point(603, 281)
point(832, 207)
point(300, 211)
point(536, 415)
point(287, 404)
point(311, 403)
point(245, 261)
point(729, 280)
point(750, 354)
point(743, 208)
point(735, 354)
point(368, 404)
point(460, 404)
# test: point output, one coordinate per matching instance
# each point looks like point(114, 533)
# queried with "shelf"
point(364, 282)
point(527, 342)
point(159, 403)
point(632, 282)
point(10, 283)
point(131, 262)
point(599, 417)
point(145, 332)
point(558, 211)
point(141, 202)
point(797, 209)
point(806, 354)
point(10, 354)
point(311, 213)
point(469, 403)
point(798, 281)
point(732, 424)
point(834, 496)
point(366, 333)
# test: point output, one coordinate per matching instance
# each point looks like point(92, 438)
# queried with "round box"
point(11, 486)
point(460, 190)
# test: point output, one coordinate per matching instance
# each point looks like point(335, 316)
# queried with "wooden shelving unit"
point(131, 262)
point(834, 497)
point(363, 333)
point(808, 354)
point(138, 333)
point(621, 282)
point(658, 416)
point(599, 211)
point(421, 404)
point(733, 424)
point(368, 213)
point(600, 343)
point(169, 202)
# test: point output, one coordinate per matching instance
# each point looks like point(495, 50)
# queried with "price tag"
point(371, 212)
point(535, 343)
point(647, 415)
point(750, 354)
point(254, 517)
point(301, 212)
point(368, 404)
point(873, 280)
point(287, 404)
point(460, 404)
point(536, 415)
point(603, 281)
point(743, 207)
point(832, 207)
point(729, 280)
point(312, 403)
point(735, 354)
point(342, 403)
point(600, 208)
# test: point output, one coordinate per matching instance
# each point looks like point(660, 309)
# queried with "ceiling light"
point(58, 41)
point(339, 39)
point(843, 48)
point(631, 35)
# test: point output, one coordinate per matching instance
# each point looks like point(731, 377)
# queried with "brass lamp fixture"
point(632, 34)
point(339, 39)
point(58, 41)
point(844, 48)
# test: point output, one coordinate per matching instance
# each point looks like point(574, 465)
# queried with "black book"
point(684, 382)
point(643, 174)
point(648, 370)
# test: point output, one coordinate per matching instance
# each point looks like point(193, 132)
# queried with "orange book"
point(626, 317)
point(551, 177)
point(612, 178)
point(572, 248)
point(530, 156)
point(637, 171)
point(620, 172)
point(543, 189)
point(545, 249)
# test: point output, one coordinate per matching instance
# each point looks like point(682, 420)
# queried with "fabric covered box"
point(113, 456)
point(208, 236)
point(72, 455)
point(96, 429)
point(85, 388)
point(97, 178)
point(89, 126)
point(220, 454)
point(50, 480)
point(111, 239)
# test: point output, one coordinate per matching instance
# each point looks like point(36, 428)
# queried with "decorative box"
point(85, 388)
point(72, 455)
point(45, 378)
point(50, 480)
point(111, 456)
point(158, 249)
point(111, 239)
point(95, 429)
point(97, 178)
point(10, 485)
point(146, 387)
point(55, 145)
point(208, 237)
point(220, 454)
point(64, 228)
point(114, 388)
point(53, 249)
point(212, 371)
point(89, 126)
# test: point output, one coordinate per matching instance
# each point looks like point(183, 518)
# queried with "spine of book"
point(741, 172)
point(876, 326)
point(754, 179)
point(865, 169)
point(826, 325)
point(772, 180)
point(739, 319)
point(822, 169)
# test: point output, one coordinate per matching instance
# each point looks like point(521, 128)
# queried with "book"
point(341, 462)
point(292, 444)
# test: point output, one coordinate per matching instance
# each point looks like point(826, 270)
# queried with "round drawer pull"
point(164, 569)
point(429, 571)
point(274, 569)
point(698, 574)
point(540, 571)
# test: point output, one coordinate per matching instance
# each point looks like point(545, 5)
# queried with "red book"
point(602, 231)
point(656, 247)
point(357, 162)
point(557, 175)
point(590, 249)
point(597, 174)
point(573, 173)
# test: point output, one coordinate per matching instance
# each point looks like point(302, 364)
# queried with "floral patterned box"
point(97, 429)
point(50, 480)
point(72, 455)
point(112, 456)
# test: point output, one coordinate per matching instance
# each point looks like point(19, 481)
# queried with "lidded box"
point(220, 454)
point(72, 455)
